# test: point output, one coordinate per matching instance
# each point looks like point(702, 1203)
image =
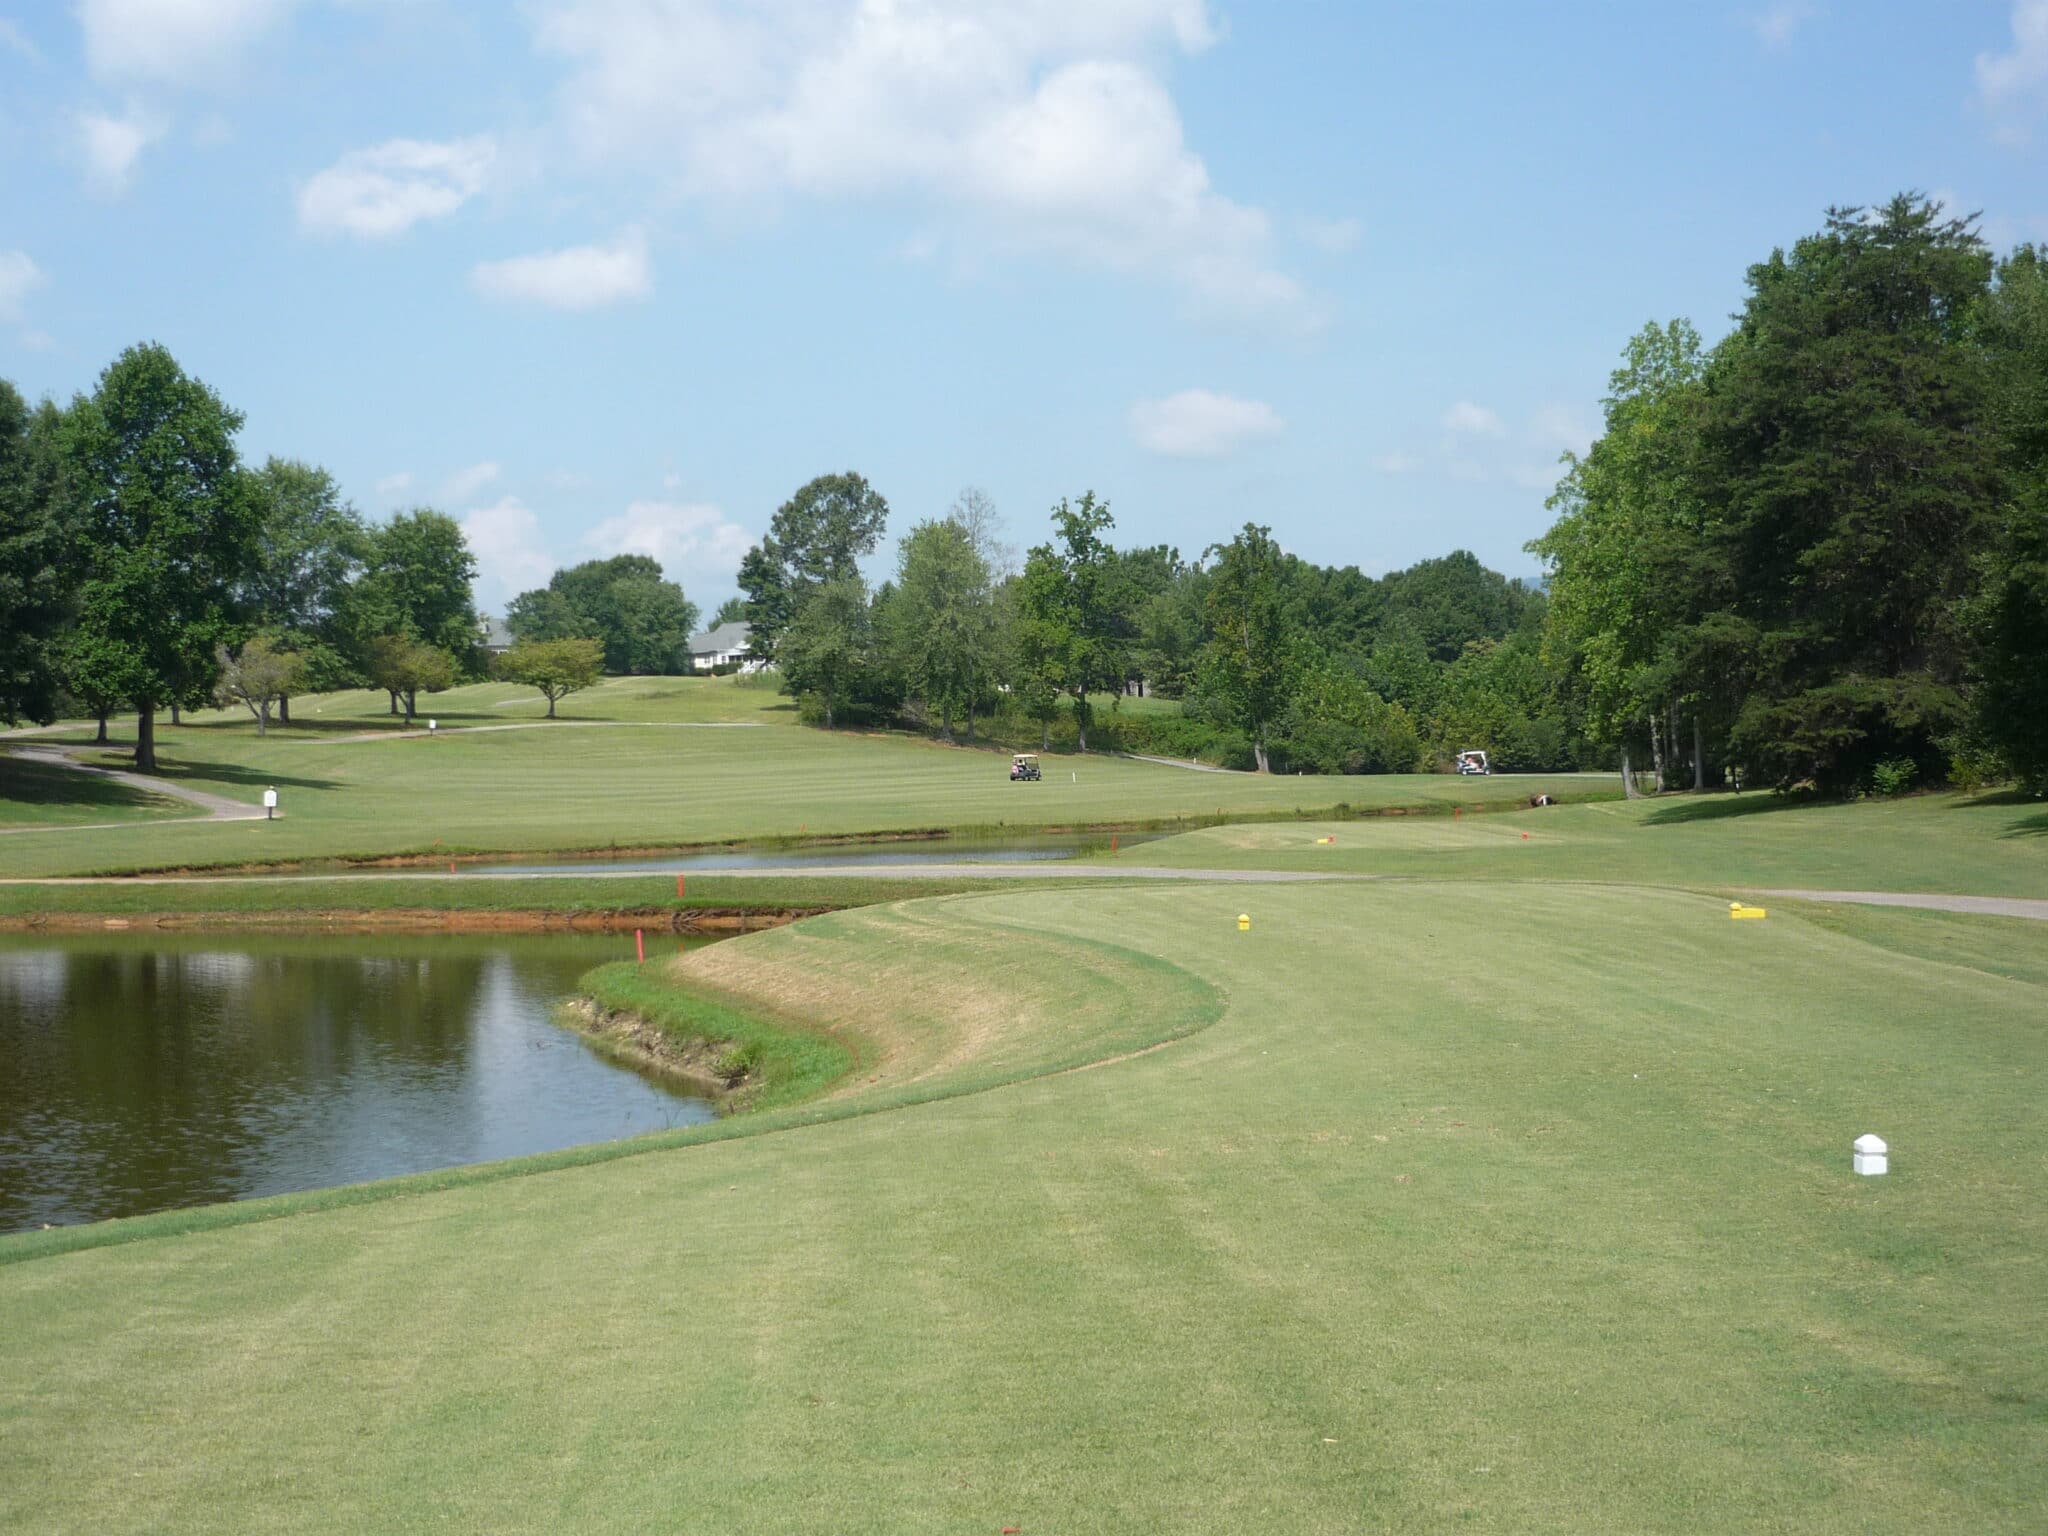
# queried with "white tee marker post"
point(1871, 1156)
point(270, 805)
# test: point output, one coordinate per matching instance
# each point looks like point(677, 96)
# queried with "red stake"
point(679, 887)
point(640, 945)
point(451, 866)
point(1112, 842)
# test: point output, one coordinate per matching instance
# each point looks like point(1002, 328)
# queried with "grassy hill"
point(651, 761)
point(1455, 1207)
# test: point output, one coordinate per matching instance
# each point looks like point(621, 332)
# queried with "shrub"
point(1894, 776)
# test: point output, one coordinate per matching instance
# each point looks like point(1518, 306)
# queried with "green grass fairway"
point(34, 794)
point(1466, 1205)
point(681, 761)
point(1987, 845)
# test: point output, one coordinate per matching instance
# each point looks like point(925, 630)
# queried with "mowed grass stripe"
point(1990, 845)
point(627, 787)
point(1488, 1205)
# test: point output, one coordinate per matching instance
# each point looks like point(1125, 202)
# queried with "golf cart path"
point(216, 807)
point(1181, 762)
point(1982, 906)
point(539, 725)
point(1050, 870)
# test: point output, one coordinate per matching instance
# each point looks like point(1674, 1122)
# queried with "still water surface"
point(140, 1072)
point(1013, 848)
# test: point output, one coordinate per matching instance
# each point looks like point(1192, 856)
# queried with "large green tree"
point(1848, 442)
point(642, 618)
point(820, 534)
point(167, 532)
point(942, 619)
point(1634, 560)
point(1074, 611)
point(35, 578)
point(828, 651)
point(557, 668)
point(2012, 701)
point(312, 547)
point(1248, 663)
point(418, 584)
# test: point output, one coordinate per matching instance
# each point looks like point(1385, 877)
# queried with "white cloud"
point(1200, 424)
point(1560, 428)
point(173, 42)
point(395, 485)
point(510, 557)
point(465, 483)
point(1042, 125)
point(581, 277)
point(1397, 463)
point(19, 276)
point(1332, 235)
point(695, 542)
point(14, 40)
point(1476, 420)
point(2005, 81)
point(1775, 25)
point(384, 190)
point(112, 145)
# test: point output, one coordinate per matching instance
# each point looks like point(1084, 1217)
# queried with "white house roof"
point(725, 638)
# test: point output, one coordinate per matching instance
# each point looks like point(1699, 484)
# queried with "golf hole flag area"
point(1389, 1205)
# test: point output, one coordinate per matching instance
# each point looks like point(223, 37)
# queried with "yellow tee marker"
point(1244, 922)
point(1738, 910)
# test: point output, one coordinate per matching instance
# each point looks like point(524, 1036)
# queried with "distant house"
point(492, 634)
point(725, 646)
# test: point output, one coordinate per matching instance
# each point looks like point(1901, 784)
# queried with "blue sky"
point(603, 275)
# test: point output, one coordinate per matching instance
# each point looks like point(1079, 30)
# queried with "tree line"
point(1814, 555)
point(144, 566)
point(1818, 550)
point(1278, 663)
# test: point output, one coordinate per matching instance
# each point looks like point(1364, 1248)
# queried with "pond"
point(141, 1072)
point(1012, 848)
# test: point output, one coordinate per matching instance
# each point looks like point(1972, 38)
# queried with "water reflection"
point(1013, 848)
point(144, 1071)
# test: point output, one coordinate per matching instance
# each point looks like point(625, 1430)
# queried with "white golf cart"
point(1473, 762)
point(1024, 767)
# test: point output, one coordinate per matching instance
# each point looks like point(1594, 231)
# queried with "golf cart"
point(1473, 762)
point(1024, 766)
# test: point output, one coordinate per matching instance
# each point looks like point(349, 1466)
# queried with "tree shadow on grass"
point(1723, 807)
point(197, 772)
point(2035, 825)
point(32, 783)
point(339, 725)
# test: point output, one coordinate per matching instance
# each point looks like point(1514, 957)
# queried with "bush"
point(1894, 776)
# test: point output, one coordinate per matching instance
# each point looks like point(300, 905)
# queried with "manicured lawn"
point(682, 761)
point(1475, 1205)
point(1988, 845)
point(35, 794)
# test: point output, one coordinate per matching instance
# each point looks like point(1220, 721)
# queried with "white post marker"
point(270, 805)
point(1871, 1158)
point(433, 726)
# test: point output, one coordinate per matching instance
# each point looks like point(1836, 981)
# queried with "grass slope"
point(38, 794)
point(1991, 845)
point(1473, 1207)
point(683, 761)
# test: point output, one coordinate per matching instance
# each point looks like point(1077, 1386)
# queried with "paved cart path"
point(216, 807)
point(1049, 870)
point(1983, 906)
